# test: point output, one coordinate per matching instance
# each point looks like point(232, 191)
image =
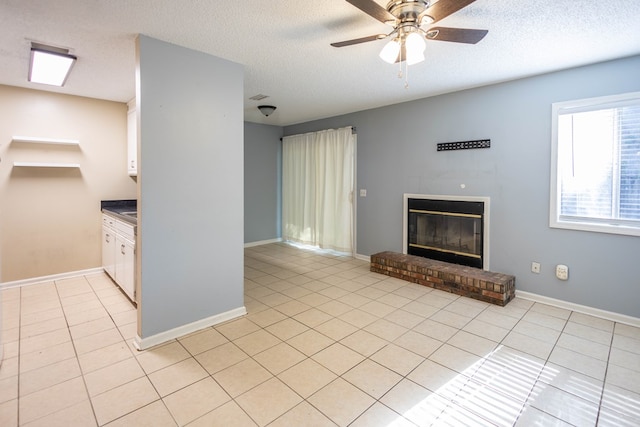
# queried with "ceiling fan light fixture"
point(390, 51)
point(415, 46)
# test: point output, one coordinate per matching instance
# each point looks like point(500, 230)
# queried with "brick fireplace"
point(495, 288)
point(446, 247)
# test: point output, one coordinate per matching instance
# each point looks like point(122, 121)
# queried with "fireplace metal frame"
point(486, 219)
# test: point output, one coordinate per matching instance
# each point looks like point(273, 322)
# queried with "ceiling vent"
point(258, 97)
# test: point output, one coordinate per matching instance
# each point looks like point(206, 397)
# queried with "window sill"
point(595, 227)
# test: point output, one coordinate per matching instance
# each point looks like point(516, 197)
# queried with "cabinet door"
point(109, 251)
point(132, 143)
point(125, 266)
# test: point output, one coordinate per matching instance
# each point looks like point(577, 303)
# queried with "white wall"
point(190, 184)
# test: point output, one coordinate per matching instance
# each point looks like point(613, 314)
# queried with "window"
point(595, 164)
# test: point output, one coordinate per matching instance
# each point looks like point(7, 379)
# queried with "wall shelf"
point(40, 140)
point(45, 165)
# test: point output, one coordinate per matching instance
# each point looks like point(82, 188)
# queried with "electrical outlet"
point(535, 267)
point(562, 272)
point(363, 192)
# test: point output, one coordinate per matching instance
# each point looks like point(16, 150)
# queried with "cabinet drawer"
point(108, 221)
point(126, 230)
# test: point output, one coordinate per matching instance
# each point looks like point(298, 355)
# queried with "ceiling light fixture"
point(267, 110)
point(415, 46)
point(390, 51)
point(407, 46)
point(49, 65)
point(411, 21)
point(409, 43)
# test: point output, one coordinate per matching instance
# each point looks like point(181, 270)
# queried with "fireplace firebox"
point(447, 228)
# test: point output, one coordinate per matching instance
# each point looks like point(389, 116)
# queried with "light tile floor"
point(325, 343)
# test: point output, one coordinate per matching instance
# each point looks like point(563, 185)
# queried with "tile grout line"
point(606, 371)
point(124, 340)
point(19, 353)
point(546, 361)
point(75, 350)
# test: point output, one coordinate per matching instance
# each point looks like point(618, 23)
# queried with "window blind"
point(599, 163)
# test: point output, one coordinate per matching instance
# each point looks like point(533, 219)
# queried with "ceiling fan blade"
point(443, 8)
point(456, 35)
point(360, 40)
point(374, 10)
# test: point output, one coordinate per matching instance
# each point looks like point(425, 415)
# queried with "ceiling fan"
point(411, 21)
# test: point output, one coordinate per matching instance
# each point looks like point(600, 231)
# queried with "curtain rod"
point(353, 132)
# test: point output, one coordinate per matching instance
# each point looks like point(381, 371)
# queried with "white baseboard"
point(263, 242)
point(362, 257)
point(148, 342)
point(60, 276)
point(596, 312)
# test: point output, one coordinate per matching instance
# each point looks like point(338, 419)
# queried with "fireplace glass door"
point(446, 232)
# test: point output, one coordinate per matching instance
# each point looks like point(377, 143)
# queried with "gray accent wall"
point(262, 186)
point(397, 154)
point(190, 186)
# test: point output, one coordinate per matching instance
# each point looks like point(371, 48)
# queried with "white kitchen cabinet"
point(125, 264)
point(118, 253)
point(109, 245)
point(132, 139)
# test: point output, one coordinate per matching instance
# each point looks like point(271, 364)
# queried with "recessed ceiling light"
point(49, 65)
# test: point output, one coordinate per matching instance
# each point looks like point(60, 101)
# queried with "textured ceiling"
point(284, 46)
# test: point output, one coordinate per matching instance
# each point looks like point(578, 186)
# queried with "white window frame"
point(583, 224)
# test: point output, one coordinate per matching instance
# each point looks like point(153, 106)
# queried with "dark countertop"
point(125, 210)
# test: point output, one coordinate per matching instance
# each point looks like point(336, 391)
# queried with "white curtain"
point(317, 188)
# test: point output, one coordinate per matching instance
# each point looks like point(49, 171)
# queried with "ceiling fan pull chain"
point(406, 75)
point(400, 63)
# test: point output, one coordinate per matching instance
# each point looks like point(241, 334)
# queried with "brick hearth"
point(496, 288)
